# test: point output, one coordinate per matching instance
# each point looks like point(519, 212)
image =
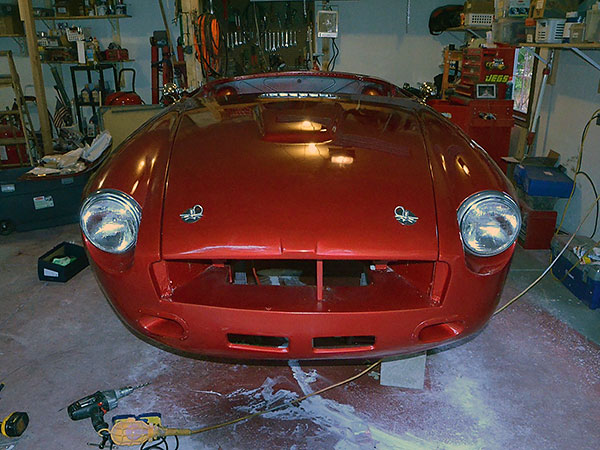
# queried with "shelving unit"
point(467, 28)
point(470, 29)
point(450, 57)
point(90, 65)
point(111, 16)
point(580, 45)
point(98, 68)
point(114, 20)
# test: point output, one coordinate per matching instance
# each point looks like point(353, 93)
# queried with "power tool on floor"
point(14, 424)
point(137, 430)
point(96, 405)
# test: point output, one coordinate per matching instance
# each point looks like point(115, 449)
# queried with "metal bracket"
point(533, 126)
point(535, 55)
point(474, 33)
point(116, 27)
point(20, 41)
point(586, 58)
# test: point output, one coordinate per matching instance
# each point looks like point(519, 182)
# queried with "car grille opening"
point(333, 342)
point(301, 285)
point(282, 272)
point(252, 340)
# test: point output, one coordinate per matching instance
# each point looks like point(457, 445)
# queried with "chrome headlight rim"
point(479, 198)
point(123, 199)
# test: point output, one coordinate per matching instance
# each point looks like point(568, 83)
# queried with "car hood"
point(300, 179)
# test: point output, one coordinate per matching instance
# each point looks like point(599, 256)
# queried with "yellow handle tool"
point(130, 431)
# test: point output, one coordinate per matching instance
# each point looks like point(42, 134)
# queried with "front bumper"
point(209, 318)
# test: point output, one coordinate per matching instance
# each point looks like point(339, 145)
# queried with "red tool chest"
point(487, 122)
point(486, 66)
point(537, 228)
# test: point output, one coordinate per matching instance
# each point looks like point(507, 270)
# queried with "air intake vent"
point(258, 341)
point(343, 342)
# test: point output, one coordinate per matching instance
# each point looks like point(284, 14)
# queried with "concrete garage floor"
point(530, 379)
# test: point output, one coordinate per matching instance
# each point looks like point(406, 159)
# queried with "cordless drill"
point(96, 405)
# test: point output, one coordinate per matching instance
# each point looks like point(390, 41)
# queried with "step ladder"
point(21, 113)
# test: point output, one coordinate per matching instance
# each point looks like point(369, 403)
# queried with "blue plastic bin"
point(543, 181)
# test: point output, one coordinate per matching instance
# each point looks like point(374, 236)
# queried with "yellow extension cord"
point(578, 168)
point(120, 435)
point(593, 117)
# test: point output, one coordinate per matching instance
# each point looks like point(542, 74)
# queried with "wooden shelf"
point(112, 16)
point(469, 28)
point(580, 45)
point(76, 63)
point(11, 35)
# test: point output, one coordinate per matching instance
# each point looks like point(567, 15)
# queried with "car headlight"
point(489, 223)
point(110, 220)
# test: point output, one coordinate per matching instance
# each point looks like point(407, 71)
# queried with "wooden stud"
point(26, 11)
point(190, 10)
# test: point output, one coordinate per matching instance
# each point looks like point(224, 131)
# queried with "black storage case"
point(48, 271)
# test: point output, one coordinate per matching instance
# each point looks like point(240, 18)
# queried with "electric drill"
point(96, 405)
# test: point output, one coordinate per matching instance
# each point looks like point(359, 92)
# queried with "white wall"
point(373, 39)
point(567, 107)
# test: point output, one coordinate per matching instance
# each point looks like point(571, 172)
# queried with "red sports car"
point(301, 215)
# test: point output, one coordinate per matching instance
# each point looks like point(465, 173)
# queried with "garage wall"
point(566, 109)
point(373, 40)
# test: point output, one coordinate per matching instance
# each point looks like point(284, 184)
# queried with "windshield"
point(304, 82)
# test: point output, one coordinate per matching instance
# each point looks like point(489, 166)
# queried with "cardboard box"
point(552, 9)
point(69, 8)
point(509, 31)
point(479, 7)
point(10, 22)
